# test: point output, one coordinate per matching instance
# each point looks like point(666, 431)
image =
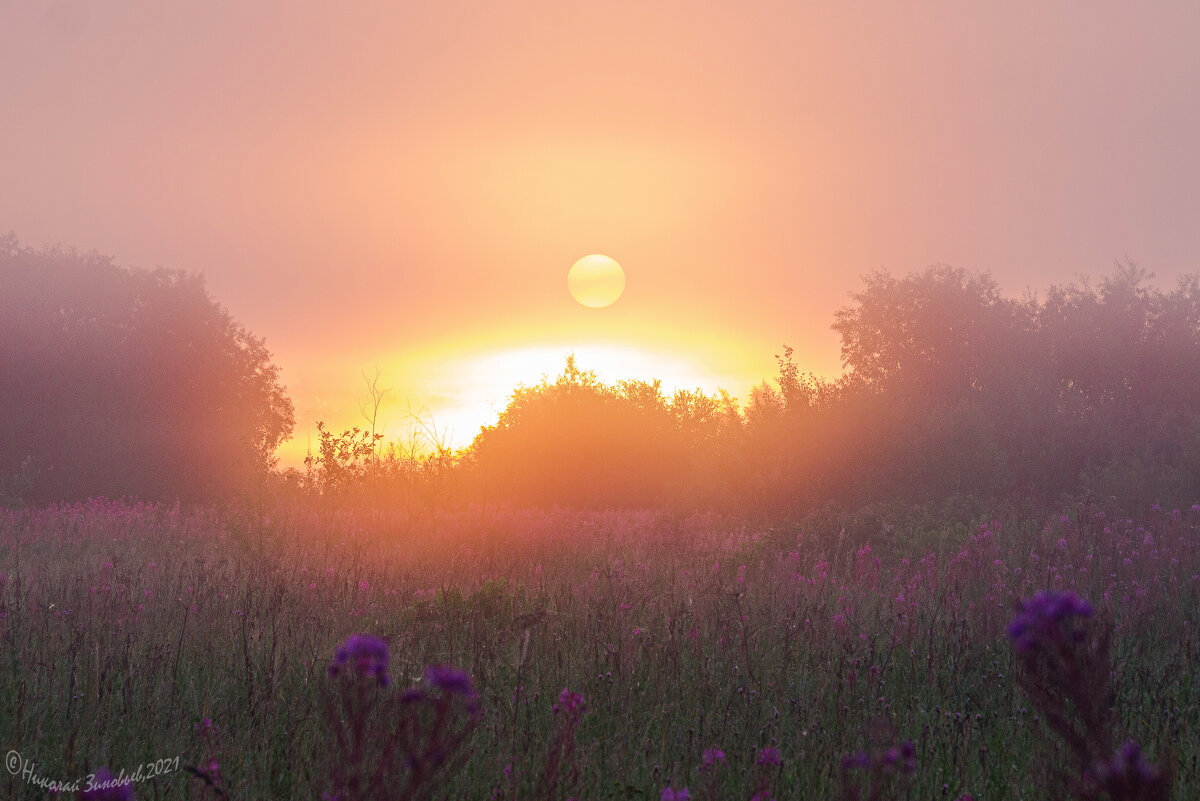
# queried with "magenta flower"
point(712, 756)
point(363, 656)
point(671, 794)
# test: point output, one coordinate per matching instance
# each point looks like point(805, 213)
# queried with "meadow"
point(604, 655)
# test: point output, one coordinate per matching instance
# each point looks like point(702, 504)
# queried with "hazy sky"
point(406, 184)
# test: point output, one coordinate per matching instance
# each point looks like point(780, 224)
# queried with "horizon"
point(404, 188)
point(600, 400)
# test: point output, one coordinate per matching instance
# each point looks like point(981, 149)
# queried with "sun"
point(596, 281)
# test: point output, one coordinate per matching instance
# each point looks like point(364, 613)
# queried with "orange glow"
point(403, 185)
point(447, 392)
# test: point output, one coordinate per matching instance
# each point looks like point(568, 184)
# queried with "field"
point(623, 655)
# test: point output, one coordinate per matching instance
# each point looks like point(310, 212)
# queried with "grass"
point(125, 626)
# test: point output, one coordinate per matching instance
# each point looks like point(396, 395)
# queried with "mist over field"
point(968, 566)
point(591, 402)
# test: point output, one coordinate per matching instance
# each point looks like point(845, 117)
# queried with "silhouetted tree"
point(129, 382)
point(966, 391)
point(578, 441)
point(1124, 360)
point(933, 333)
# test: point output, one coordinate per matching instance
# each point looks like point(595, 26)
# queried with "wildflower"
point(902, 758)
point(768, 756)
point(571, 704)
point(671, 794)
point(1042, 616)
point(450, 680)
point(103, 786)
point(1128, 775)
point(712, 756)
point(364, 656)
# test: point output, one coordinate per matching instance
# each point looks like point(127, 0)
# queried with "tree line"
point(137, 383)
point(950, 390)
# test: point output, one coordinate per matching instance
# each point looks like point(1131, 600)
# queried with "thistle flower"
point(450, 680)
point(900, 758)
point(1127, 775)
point(571, 704)
point(671, 794)
point(364, 656)
point(768, 756)
point(1041, 618)
point(712, 756)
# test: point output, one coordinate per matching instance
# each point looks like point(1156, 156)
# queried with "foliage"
point(341, 461)
point(951, 390)
point(129, 382)
point(14, 490)
point(577, 441)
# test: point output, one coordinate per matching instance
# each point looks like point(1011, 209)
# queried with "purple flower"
point(768, 756)
point(1128, 775)
point(859, 759)
point(363, 656)
point(671, 794)
point(1041, 618)
point(902, 758)
point(712, 756)
point(450, 680)
point(105, 787)
point(571, 704)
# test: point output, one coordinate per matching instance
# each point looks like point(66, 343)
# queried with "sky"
point(399, 188)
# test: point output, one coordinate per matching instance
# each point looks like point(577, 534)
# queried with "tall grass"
point(136, 633)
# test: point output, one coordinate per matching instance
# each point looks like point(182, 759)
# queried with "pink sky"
point(405, 185)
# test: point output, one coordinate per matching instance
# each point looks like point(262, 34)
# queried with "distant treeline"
point(951, 391)
point(118, 382)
